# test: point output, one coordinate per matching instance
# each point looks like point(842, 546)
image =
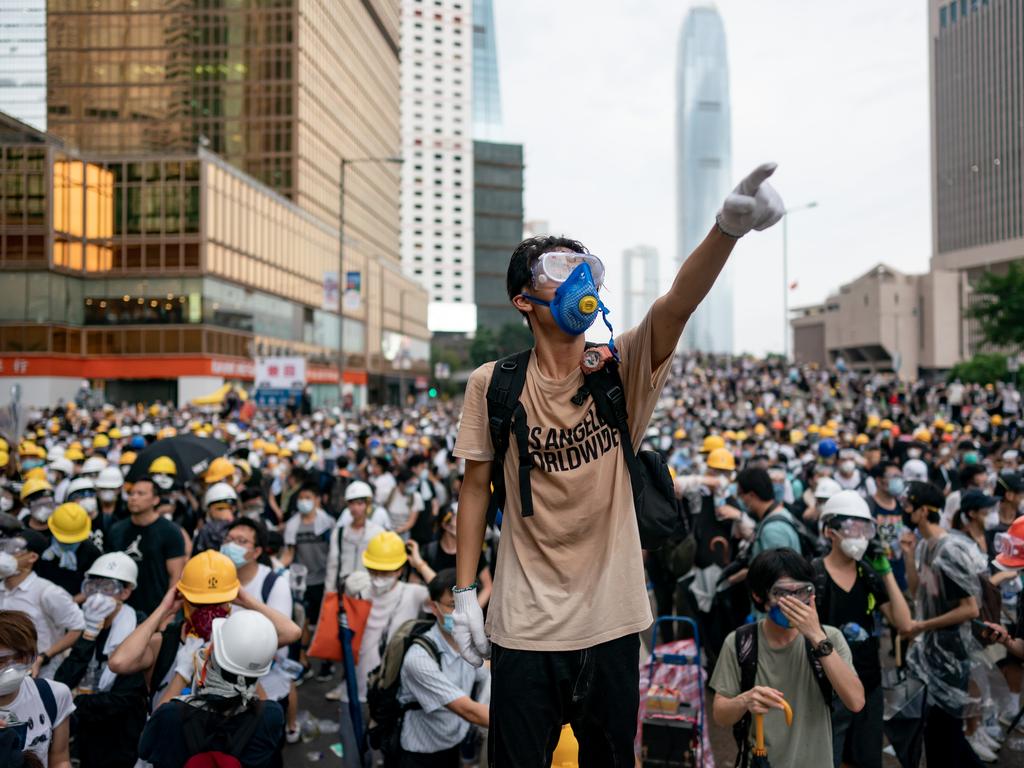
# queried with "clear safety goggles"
point(13, 546)
point(853, 528)
point(1009, 546)
point(800, 590)
point(101, 586)
point(554, 267)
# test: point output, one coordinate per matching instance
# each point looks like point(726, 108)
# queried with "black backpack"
point(810, 547)
point(660, 516)
point(383, 683)
point(746, 655)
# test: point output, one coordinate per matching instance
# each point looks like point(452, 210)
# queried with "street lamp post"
point(345, 162)
point(785, 274)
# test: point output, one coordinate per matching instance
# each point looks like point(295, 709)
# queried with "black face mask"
point(908, 522)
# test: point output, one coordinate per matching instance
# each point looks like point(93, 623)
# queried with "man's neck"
point(358, 525)
point(883, 498)
point(108, 509)
point(248, 572)
point(559, 355)
point(308, 517)
point(931, 531)
point(765, 508)
point(12, 582)
point(1007, 512)
point(144, 519)
point(777, 636)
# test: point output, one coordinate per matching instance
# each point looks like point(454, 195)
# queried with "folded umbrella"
point(191, 455)
point(759, 755)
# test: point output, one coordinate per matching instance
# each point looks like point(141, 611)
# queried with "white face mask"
point(88, 503)
point(42, 513)
point(992, 519)
point(854, 547)
point(847, 467)
point(6, 503)
point(108, 496)
point(12, 677)
point(8, 565)
point(381, 585)
point(913, 453)
point(305, 506)
point(163, 482)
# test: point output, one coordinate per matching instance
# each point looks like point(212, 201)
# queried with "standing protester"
point(70, 553)
point(776, 527)
point(570, 592)
point(153, 542)
point(440, 554)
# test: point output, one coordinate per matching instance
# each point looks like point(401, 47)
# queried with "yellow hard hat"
point(76, 444)
point(873, 421)
point(722, 458)
point(861, 439)
point(729, 435)
point(271, 449)
point(27, 449)
point(154, 409)
point(292, 428)
point(209, 578)
point(306, 446)
point(127, 459)
point(949, 428)
point(244, 467)
point(409, 429)
point(54, 427)
point(679, 434)
point(742, 435)
point(997, 420)
point(832, 424)
point(220, 469)
point(33, 486)
point(195, 426)
point(4, 446)
point(385, 552)
point(401, 443)
point(923, 435)
point(166, 432)
point(115, 434)
point(163, 465)
point(70, 523)
point(796, 436)
point(425, 441)
point(36, 473)
point(4, 458)
point(759, 411)
point(711, 442)
point(885, 424)
point(939, 424)
point(814, 429)
point(101, 441)
point(826, 432)
point(760, 429)
point(567, 753)
point(74, 454)
point(285, 453)
point(968, 429)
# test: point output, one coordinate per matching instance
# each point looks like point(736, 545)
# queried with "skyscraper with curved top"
point(703, 164)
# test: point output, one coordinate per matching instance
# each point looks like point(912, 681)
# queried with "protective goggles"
point(852, 528)
point(101, 586)
point(800, 590)
point(13, 546)
point(554, 267)
point(1009, 546)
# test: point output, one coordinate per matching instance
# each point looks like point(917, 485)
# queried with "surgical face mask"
point(305, 506)
point(28, 464)
point(88, 503)
point(895, 486)
point(12, 676)
point(253, 511)
point(107, 496)
point(164, 482)
point(41, 511)
point(8, 565)
point(6, 503)
point(847, 467)
point(301, 459)
point(411, 488)
point(913, 453)
point(447, 622)
point(779, 491)
point(992, 519)
point(854, 548)
point(575, 305)
point(381, 585)
point(234, 552)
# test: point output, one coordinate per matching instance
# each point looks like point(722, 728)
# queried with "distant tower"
point(703, 164)
point(486, 90)
point(639, 282)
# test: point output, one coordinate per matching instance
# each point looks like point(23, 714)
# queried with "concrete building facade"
point(498, 227)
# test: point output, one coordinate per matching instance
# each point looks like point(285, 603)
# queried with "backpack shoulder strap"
point(268, 583)
point(746, 656)
point(49, 700)
point(605, 386)
point(507, 381)
point(821, 591)
point(428, 645)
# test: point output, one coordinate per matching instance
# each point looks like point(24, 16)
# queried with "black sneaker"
point(325, 675)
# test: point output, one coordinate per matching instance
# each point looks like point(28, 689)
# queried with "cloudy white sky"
point(835, 92)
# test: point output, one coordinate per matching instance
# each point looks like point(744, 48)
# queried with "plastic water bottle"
point(854, 633)
point(91, 680)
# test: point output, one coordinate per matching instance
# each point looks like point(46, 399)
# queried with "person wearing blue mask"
point(787, 657)
point(885, 508)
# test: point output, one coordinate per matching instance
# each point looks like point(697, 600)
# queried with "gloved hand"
point(754, 204)
point(469, 628)
point(357, 584)
point(96, 609)
point(880, 563)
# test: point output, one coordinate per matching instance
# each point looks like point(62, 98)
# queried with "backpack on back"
point(215, 740)
point(383, 683)
point(810, 547)
point(660, 515)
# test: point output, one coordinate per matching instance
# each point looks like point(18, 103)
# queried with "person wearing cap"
point(59, 474)
point(37, 503)
point(887, 512)
point(220, 504)
point(58, 621)
point(851, 583)
point(156, 545)
point(978, 519)
point(350, 537)
point(223, 713)
point(110, 708)
point(70, 553)
point(754, 491)
point(817, 495)
point(972, 475)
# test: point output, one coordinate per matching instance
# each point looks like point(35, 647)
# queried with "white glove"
point(754, 204)
point(357, 584)
point(469, 628)
point(96, 609)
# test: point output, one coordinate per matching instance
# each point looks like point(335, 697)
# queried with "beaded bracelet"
point(470, 588)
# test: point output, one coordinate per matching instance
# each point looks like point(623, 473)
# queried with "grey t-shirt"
point(311, 541)
point(808, 743)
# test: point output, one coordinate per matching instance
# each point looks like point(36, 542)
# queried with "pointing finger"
point(753, 182)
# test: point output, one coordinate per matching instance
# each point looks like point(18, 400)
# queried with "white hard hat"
point(56, 452)
point(147, 429)
point(63, 465)
point(915, 469)
point(77, 485)
point(109, 479)
point(826, 488)
point(358, 490)
point(115, 565)
point(219, 492)
point(244, 643)
point(846, 504)
point(93, 465)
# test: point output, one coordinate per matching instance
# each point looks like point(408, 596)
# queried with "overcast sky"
point(835, 92)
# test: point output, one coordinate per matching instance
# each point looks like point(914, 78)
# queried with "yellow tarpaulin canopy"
point(220, 395)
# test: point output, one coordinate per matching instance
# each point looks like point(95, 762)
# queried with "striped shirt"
point(435, 728)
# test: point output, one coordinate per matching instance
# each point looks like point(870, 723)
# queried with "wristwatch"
point(822, 649)
point(46, 658)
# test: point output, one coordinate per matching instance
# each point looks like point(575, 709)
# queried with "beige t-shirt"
point(572, 575)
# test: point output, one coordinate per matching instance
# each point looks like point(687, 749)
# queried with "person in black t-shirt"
point(439, 555)
point(849, 589)
point(153, 542)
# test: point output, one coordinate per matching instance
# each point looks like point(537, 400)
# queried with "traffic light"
point(432, 392)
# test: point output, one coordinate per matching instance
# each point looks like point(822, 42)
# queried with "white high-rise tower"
point(703, 164)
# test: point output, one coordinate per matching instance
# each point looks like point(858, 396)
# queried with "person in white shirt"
point(405, 505)
point(383, 481)
point(36, 709)
point(58, 621)
point(350, 536)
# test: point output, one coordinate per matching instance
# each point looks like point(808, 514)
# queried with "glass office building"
point(486, 86)
point(23, 60)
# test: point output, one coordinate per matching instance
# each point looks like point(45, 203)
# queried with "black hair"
point(879, 470)
point(275, 542)
point(311, 486)
point(404, 475)
point(969, 472)
point(383, 462)
point(258, 529)
point(441, 583)
point(300, 474)
point(770, 566)
point(147, 479)
point(921, 494)
point(249, 493)
point(526, 253)
point(757, 481)
point(415, 460)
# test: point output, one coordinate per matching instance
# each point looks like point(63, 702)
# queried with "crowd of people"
point(152, 609)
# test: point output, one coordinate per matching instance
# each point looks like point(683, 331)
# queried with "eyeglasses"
point(800, 590)
point(238, 541)
point(13, 546)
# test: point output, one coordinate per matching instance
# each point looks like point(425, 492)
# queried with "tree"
point(981, 369)
point(490, 345)
point(1000, 309)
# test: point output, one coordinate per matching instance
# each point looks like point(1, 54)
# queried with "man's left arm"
point(754, 204)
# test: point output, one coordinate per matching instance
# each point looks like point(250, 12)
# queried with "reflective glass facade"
point(23, 61)
point(486, 85)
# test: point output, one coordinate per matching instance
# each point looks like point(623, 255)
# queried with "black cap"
point(975, 499)
point(1009, 481)
point(34, 540)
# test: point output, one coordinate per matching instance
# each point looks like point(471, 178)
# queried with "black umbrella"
point(759, 755)
point(191, 455)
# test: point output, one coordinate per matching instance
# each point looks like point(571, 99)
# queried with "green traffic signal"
point(432, 391)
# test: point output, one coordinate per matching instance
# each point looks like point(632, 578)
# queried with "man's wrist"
point(456, 590)
point(817, 637)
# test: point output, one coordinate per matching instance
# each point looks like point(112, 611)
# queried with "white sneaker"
point(335, 693)
point(988, 739)
point(995, 733)
point(292, 735)
point(984, 754)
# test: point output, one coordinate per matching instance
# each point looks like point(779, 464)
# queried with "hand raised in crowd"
point(413, 549)
point(908, 543)
point(803, 618)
